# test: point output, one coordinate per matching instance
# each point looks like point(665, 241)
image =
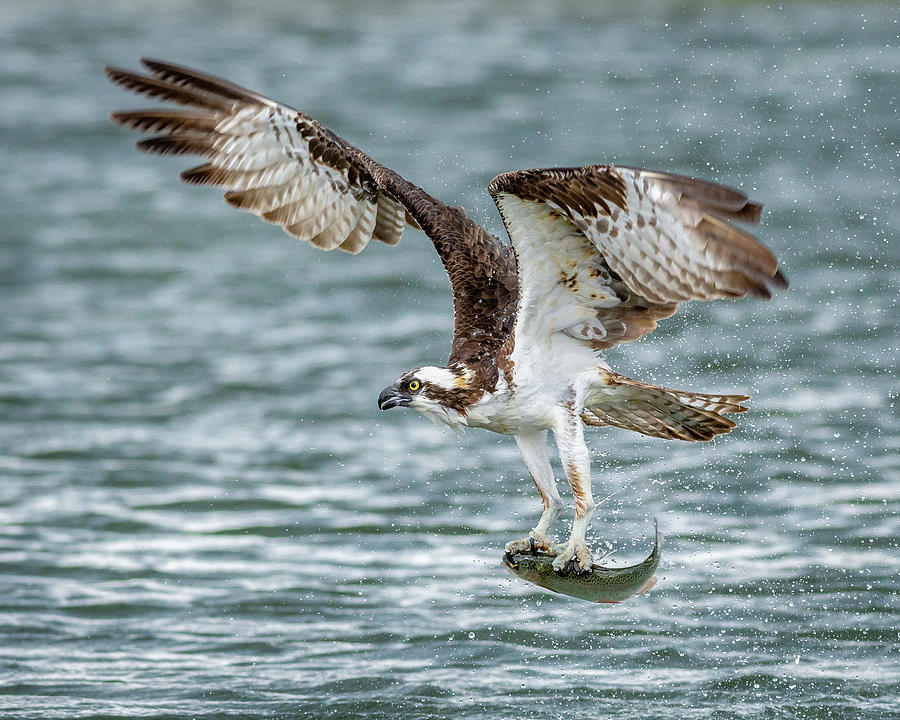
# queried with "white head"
point(440, 394)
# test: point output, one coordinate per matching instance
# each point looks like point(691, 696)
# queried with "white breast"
point(539, 388)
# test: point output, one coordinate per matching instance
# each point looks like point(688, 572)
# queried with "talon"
point(575, 557)
point(509, 560)
point(533, 543)
point(578, 568)
point(517, 546)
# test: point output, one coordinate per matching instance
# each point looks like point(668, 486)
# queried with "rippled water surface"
point(204, 515)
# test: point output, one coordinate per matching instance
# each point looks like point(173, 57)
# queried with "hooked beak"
point(390, 397)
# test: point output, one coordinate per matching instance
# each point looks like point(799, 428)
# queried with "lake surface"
point(204, 515)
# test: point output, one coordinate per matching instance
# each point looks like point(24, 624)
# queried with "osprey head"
point(441, 394)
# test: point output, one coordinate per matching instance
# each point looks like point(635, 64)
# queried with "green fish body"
point(602, 584)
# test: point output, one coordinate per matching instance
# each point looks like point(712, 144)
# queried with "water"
point(205, 516)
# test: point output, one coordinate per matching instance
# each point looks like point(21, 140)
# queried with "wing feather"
point(236, 180)
point(273, 161)
point(389, 221)
point(614, 249)
point(345, 219)
point(261, 200)
point(325, 215)
point(566, 284)
point(359, 237)
point(168, 121)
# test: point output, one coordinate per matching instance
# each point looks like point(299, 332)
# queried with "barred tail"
point(660, 412)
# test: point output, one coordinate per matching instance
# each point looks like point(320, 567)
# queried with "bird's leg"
point(533, 447)
point(576, 462)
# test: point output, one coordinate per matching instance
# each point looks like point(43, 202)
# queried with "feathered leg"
point(576, 462)
point(533, 447)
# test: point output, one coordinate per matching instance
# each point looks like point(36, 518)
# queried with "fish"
point(600, 585)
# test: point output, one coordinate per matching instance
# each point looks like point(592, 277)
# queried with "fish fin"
point(650, 584)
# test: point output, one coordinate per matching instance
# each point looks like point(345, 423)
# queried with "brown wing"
point(283, 166)
point(615, 249)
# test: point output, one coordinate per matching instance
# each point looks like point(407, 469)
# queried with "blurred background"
point(204, 515)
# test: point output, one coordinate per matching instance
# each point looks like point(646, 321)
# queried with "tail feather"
point(658, 411)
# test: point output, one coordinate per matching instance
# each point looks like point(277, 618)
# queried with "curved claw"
point(572, 567)
point(574, 558)
point(533, 544)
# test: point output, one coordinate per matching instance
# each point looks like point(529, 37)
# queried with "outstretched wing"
point(285, 167)
point(273, 161)
point(605, 252)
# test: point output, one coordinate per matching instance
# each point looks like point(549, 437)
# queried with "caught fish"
point(601, 584)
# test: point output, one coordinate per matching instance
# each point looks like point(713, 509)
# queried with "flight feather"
point(615, 249)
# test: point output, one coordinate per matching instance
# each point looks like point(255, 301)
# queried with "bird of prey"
point(598, 255)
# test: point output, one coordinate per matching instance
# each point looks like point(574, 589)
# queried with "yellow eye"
point(414, 385)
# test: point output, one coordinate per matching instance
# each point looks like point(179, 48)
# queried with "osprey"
point(598, 255)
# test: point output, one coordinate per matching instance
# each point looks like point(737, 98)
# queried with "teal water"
point(204, 515)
